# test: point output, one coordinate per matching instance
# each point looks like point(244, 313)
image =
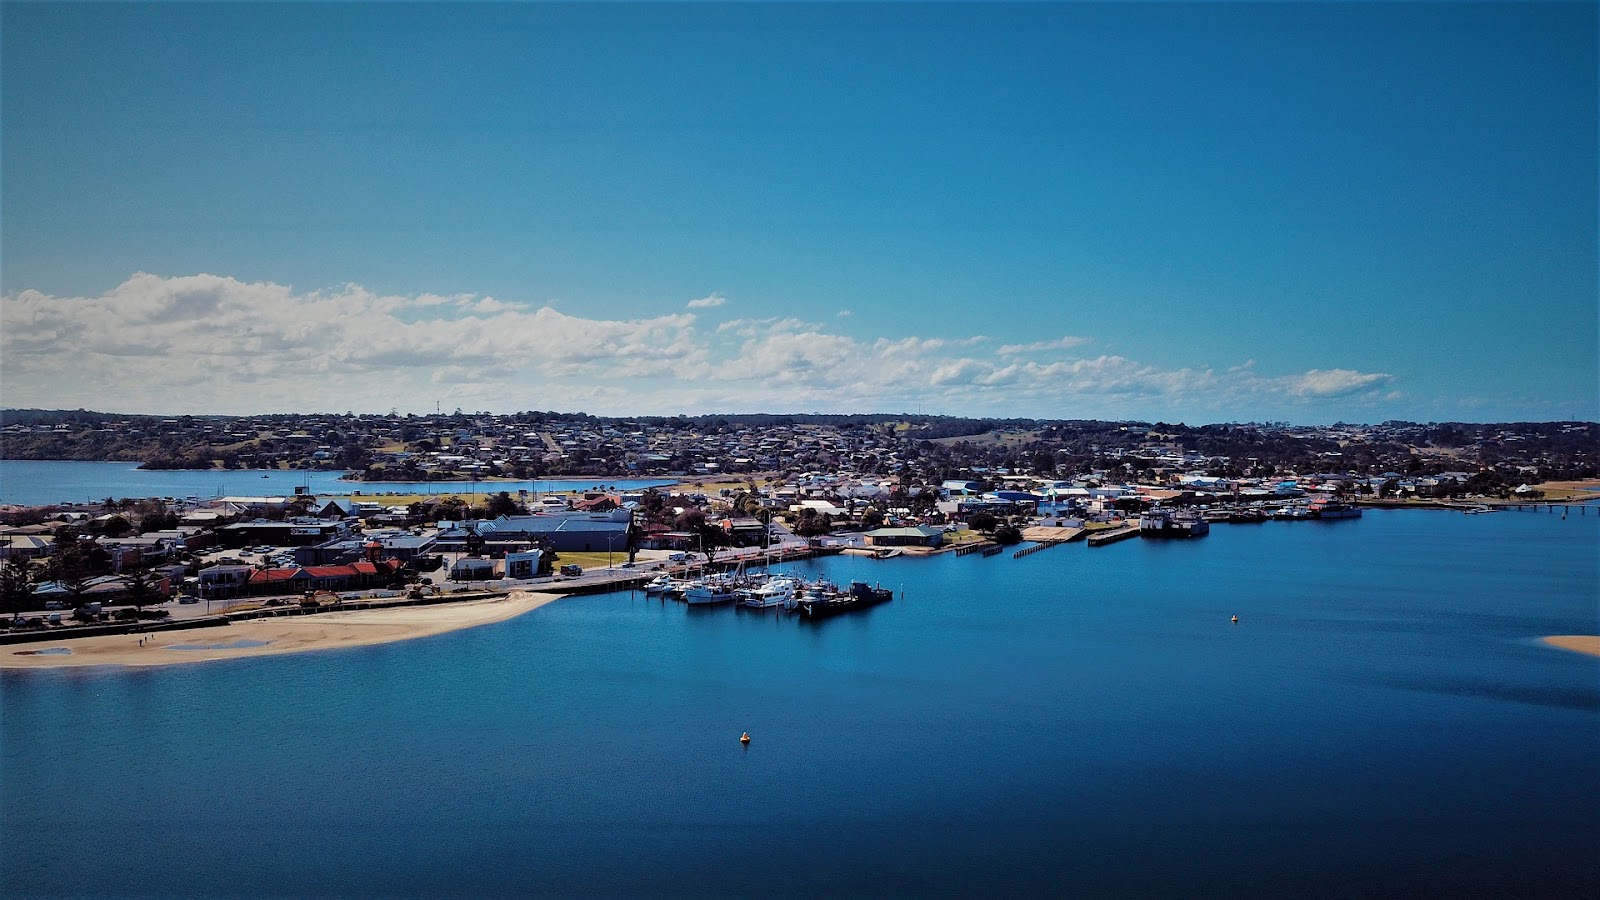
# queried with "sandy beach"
point(1582, 643)
point(268, 637)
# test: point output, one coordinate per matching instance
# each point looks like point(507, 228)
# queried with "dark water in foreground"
point(1382, 719)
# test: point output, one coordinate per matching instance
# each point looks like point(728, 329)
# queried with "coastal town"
point(1421, 458)
point(736, 490)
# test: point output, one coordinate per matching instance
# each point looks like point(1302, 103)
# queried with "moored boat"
point(1165, 523)
point(860, 595)
point(774, 592)
point(1334, 509)
point(713, 589)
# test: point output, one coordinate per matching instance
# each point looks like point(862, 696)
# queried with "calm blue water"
point(39, 482)
point(1381, 720)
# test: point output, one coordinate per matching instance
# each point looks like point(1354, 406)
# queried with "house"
point(345, 507)
point(574, 532)
point(907, 536)
point(744, 531)
point(822, 507)
point(604, 503)
point(25, 546)
point(530, 564)
point(403, 546)
point(472, 568)
point(293, 533)
point(224, 581)
point(203, 518)
point(299, 579)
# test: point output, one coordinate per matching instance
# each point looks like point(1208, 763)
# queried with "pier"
point(1582, 508)
point(1101, 538)
point(1042, 545)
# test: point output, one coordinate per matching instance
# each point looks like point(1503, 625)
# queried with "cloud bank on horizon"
point(213, 344)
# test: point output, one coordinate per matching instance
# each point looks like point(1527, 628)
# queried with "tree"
point(16, 587)
point(871, 517)
point(141, 588)
point(1008, 534)
point(689, 520)
point(982, 521)
point(652, 501)
point(501, 504)
point(75, 562)
point(115, 526)
point(711, 537)
point(810, 524)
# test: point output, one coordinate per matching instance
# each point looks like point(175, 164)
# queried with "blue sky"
point(1192, 211)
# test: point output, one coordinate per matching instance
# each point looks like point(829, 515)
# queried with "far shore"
point(271, 637)
point(1580, 643)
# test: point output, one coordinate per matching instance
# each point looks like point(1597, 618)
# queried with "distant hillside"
point(925, 446)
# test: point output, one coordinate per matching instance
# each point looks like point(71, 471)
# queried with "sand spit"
point(269, 637)
point(1582, 643)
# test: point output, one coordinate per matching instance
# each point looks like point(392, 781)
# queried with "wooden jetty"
point(1042, 545)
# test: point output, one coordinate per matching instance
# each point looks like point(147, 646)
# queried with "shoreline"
point(1587, 644)
point(273, 636)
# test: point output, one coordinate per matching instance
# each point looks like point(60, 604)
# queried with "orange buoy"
point(744, 738)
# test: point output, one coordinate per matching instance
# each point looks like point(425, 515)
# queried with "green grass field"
point(590, 560)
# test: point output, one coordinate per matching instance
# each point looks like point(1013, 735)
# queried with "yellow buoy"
point(1235, 620)
point(744, 738)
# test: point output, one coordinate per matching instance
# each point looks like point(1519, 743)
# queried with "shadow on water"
point(1551, 696)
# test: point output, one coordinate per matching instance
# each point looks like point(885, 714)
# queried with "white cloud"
point(707, 302)
point(1334, 382)
point(1066, 342)
point(844, 314)
point(207, 343)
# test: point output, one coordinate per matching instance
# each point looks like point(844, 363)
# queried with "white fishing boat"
point(774, 592)
point(661, 584)
point(713, 589)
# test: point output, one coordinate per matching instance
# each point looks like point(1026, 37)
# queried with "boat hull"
point(860, 596)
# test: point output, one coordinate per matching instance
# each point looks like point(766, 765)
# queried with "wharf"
point(600, 581)
point(1049, 534)
point(1101, 538)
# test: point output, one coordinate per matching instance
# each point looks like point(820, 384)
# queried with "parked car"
point(570, 569)
point(54, 604)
